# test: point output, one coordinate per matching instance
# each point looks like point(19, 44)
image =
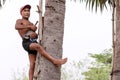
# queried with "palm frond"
point(95, 4)
point(88, 3)
point(2, 2)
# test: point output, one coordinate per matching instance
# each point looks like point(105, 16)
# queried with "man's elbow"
point(16, 27)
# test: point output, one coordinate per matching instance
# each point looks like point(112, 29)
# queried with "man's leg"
point(37, 47)
point(32, 59)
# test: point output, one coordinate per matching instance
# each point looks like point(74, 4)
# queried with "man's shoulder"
point(19, 20)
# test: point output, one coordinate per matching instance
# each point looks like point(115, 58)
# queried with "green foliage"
point(97, 73)
point(104, 57)
point(20, 75)
point(96, 68)
point(100, 68)
point(73, 72)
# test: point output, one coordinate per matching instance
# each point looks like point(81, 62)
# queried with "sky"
point(85, 32)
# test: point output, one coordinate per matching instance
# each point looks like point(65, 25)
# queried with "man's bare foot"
point(59, 62)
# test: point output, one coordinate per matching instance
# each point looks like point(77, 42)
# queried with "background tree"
point(20, 74)
point(100, 68)
point(115, 75)
point(94, 67)
point(115, 31)
point(73, 72)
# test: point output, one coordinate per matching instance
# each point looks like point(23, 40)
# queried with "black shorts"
point(26, 44)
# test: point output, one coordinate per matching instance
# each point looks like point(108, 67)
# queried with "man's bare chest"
point(26, 23)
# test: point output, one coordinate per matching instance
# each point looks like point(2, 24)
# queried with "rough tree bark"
point(116, 56)
point(52, 40)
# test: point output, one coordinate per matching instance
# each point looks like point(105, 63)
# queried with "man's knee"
point(37, 46)
point(34, 46)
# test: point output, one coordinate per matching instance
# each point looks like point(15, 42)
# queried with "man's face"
point(25, 13)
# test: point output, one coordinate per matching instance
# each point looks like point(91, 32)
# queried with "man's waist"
point(28, 38)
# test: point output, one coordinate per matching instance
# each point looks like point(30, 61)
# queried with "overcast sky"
point(85, 32)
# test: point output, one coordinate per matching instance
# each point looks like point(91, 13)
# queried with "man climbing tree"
point(27, 32)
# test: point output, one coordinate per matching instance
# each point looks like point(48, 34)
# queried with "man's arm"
point(19, 25)
point(33, 28)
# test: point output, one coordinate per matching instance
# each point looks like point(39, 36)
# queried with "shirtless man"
point(26, 29)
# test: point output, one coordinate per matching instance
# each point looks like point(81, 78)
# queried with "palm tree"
point(52, 40)
point(115, 72)
point(2, 2)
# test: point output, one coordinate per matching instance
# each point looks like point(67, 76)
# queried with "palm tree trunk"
point(52, 40)
point(113, 36)
point(116, 57)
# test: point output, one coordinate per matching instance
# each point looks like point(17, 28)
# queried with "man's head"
point(25, 11)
